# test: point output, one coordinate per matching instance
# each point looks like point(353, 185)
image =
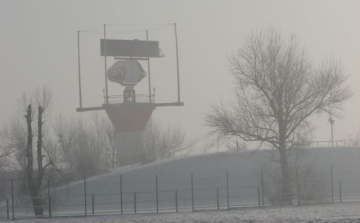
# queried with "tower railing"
point(140, 98)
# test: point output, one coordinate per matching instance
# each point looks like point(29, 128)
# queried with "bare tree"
point(236, 146)
point(162, 143)
point(28, 155)
point(112, 151)
point(12, 142)
point(7, 151)
point(30, 148)
point(354, 138)
point(277, 91)
point(84, 146)
point(42, 99)
point(151, 137)
point(65, 134)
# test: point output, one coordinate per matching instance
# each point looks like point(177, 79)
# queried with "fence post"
point(49, 197)
point(121, 196)
point(192, 191)
point(93, 204)
point(340, 192)
point(85, 195)
point(297, 189)
point(332, 184)
point(134, 202)
point(157, 194)
point(217, 199)
point(227, 190)
point(176, 201)
point(12, 200)
point(258, 193)
point(7, 209)
point(262, 189)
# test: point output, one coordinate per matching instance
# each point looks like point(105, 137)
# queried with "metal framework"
point(106, 96)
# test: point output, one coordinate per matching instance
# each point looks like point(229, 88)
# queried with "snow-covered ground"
point(209, 174)
point(329, 213)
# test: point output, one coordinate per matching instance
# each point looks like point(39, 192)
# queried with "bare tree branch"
point(278, 90)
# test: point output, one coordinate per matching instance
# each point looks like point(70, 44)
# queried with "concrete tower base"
point(129, 148)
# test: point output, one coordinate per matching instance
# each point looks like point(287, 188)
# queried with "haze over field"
point(209, 173)
point(38, 46)
point(187, 106)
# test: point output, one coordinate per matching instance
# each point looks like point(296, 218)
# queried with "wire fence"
point(329, 143)
point(129, 194)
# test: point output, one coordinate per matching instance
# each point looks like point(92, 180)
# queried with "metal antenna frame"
point(178, 103)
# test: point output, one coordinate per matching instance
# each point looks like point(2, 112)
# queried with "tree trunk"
point(38, 208)
point(37, 202)
point(34, 187)
point(285, 187)
point(39, 145)
point(29, 153)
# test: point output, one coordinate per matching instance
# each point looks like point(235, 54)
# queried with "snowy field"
point(329, 213)
point(173, 178)
point(209, 173)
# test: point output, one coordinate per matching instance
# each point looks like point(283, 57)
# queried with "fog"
point(38, 46)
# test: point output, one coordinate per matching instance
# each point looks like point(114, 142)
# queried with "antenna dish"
point(126, 72)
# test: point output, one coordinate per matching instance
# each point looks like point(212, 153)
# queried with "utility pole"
point(331, 120)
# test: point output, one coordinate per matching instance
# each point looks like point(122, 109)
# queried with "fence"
point(133, 194)
point(329, 143)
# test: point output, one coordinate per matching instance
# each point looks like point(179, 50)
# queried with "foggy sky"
point(38, 46)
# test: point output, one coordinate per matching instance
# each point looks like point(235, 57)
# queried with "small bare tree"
point(236, 146)
point(83, 144)
point(6, 153)
point(277, 91)
point(354, 138)
point(159, 143)
point(11, 140)
point(112, 151)
point(150, 140)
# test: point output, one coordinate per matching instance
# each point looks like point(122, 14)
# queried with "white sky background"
point(38, 46)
